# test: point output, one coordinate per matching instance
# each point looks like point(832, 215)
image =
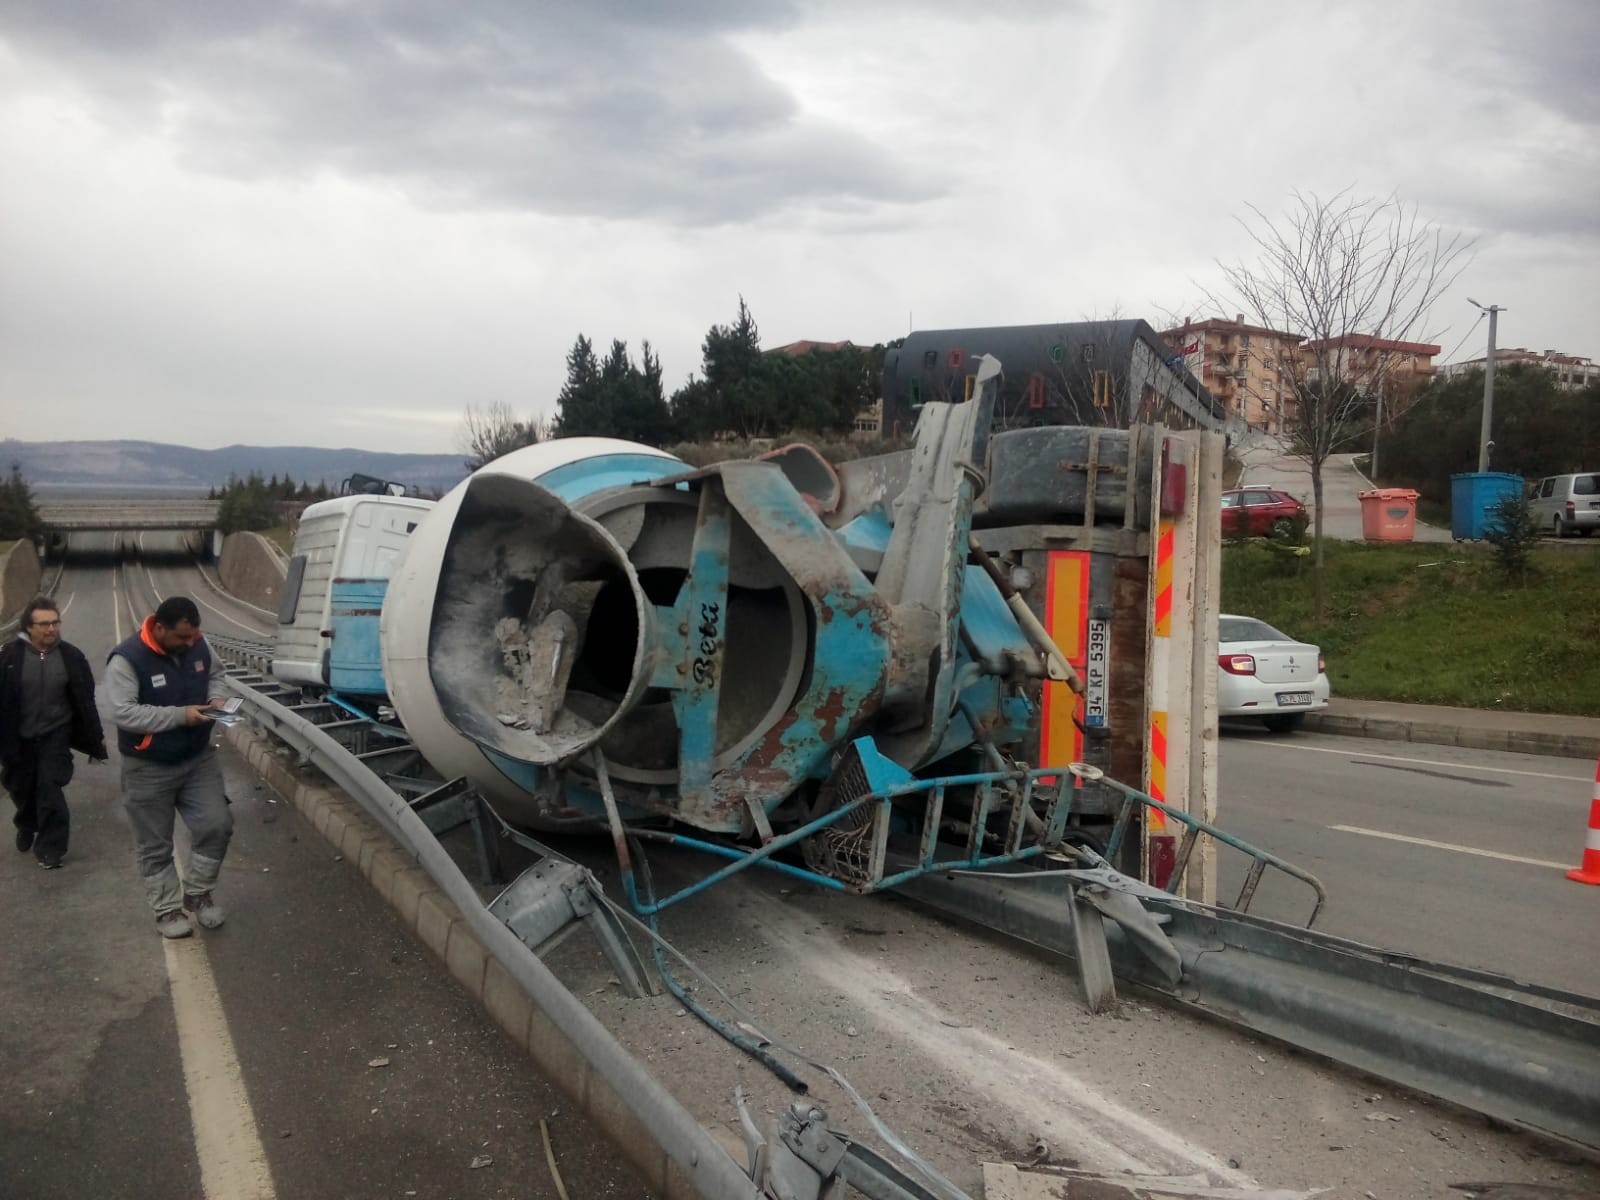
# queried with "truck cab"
point(344, 553)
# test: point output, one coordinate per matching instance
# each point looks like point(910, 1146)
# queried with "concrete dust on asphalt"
point(977, 1050)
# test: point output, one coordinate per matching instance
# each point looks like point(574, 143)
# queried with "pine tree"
point(581, 404)
point(19, 517)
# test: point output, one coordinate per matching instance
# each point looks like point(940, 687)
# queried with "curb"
point(1432, 733)
point(433, 918)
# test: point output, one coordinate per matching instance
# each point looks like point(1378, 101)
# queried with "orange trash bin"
point(1389, 514)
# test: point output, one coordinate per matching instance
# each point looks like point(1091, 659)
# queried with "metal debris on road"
point(550, 1159)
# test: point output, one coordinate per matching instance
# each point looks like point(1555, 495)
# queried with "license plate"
point(1096, 673)
point(1287, 698)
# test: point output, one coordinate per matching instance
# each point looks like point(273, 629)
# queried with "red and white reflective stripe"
point(1160, 673)
point(1592, 840)
point(1163, 600)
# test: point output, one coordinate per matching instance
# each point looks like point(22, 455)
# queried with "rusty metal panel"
point(850, 651)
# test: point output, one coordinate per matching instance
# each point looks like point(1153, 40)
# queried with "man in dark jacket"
point(46, 712)
point(158, 681)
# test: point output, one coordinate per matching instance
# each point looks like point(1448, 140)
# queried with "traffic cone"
point(1589, 872)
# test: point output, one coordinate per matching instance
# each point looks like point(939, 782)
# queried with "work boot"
point(207, 911)
point(173, 924)
point(24, 840)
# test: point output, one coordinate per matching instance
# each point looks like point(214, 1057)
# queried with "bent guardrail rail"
point(800, 1157)
point(1521, 1053)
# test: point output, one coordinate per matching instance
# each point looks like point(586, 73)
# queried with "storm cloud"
point(608, 110)
point(341, 223)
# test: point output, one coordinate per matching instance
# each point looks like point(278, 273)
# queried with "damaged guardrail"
point(797, 1158)
point(1521, 1053)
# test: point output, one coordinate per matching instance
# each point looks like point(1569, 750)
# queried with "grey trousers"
point(153, 793)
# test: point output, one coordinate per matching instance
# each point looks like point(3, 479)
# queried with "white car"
point(1264, 673)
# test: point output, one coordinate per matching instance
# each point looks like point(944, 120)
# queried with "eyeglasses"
point(46, 624)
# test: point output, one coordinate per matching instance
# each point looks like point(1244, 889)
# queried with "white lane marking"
point(1415, 841)
point(120, 573)
point(196, 598)
point(1427, 762)
point(249, 623)
point(216, 586)
point(233, 1163)
point(1035, 1091)
point(154, 590)
point(65, 608)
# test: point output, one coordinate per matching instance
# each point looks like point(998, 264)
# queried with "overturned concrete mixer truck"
point(877, 668)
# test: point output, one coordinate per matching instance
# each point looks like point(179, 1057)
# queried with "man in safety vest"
point(159, 684)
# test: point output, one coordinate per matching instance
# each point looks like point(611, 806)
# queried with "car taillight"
point(1571, 508)
point(1237, 664)
point(1322, 665)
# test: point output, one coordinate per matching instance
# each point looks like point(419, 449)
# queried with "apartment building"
point(1248, 368)
point(1571, 371)
point(1373, 362)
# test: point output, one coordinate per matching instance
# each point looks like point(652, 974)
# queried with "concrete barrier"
point(253, 569)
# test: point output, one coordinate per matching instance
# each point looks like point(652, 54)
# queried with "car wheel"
point(1285, 722)
point(1559, 527)
point(1283, 529)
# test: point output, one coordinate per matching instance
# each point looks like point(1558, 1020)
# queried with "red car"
point(1261, 512)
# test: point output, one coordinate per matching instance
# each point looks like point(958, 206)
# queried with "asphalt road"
point(111, 1075)
point(1450, 854)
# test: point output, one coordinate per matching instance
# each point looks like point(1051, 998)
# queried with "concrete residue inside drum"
point(538, 637)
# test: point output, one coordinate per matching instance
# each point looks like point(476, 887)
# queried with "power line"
point(1465, 336)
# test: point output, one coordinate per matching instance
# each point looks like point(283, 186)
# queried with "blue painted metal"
point(852, 630)
point(700, 626)
point(355, 659)
point(1195, 828)
point(889, 788)
point(881, 771)
point(575, 480)
point(988, 623)
point(743, 858)
point(870, 531)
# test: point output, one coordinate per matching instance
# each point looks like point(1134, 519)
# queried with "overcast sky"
point(341, 223)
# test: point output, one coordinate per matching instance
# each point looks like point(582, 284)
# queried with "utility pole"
point(1494, 311)
point(1377, 428)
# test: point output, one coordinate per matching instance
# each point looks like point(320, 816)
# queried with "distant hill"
point(145, 465)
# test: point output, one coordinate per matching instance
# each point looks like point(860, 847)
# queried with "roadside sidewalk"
point(1473, 728)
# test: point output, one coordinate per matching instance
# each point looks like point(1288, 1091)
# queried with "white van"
point(351, 539)
point(1567, 504)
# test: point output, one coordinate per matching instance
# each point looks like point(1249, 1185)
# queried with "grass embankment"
point(1432, 624)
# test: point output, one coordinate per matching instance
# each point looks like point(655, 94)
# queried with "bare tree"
point(490, 432)
point(1351, 276)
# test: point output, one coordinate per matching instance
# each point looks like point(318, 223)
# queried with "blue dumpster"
point(1473, 496)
